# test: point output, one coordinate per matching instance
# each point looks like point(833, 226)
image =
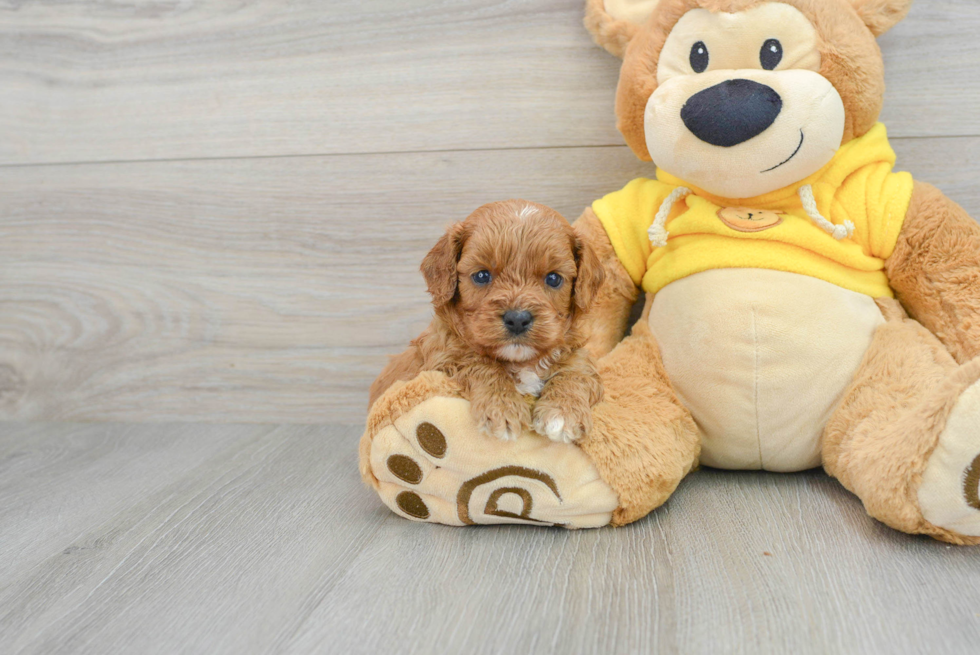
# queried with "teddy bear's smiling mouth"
point(786, 161)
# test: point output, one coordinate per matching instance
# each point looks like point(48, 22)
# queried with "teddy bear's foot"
point(433, 464)
point(949, 496)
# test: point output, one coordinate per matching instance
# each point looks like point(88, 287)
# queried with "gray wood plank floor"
point(260, 539)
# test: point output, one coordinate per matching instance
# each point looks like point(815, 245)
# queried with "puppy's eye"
point(771, 55)
point(481, 278)
point(699, 57)
point(554, 280)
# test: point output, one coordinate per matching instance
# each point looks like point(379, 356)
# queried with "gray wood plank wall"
point(215, 211)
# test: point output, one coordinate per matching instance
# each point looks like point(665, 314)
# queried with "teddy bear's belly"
point(761, 358)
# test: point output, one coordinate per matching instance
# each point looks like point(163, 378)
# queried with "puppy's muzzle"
point(517, 322)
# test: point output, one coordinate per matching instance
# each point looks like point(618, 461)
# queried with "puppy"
point(510, 285)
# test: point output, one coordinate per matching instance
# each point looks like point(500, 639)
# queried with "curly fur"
point(519, 243)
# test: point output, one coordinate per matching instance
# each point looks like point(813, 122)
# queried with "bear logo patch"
point(744, 219)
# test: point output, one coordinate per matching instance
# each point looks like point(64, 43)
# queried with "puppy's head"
point(512, 279)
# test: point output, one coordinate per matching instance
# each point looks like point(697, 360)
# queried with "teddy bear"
point(805, 304)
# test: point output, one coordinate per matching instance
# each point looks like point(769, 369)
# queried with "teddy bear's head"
point(743, 97)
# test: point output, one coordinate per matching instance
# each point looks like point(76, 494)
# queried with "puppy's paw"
point(506, 431)
point(504, 418)
point(565, 425)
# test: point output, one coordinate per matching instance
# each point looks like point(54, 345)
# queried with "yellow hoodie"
point(844, 237)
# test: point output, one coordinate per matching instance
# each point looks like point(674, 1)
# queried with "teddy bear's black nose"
point(732, 112)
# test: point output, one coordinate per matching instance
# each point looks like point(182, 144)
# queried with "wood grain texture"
point(75, 475)
point(268, 543)
point(263, 290)
point(250, 268)
point(222, 78)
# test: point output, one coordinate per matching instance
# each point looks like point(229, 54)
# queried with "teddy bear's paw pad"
point(949, 496)
point(435, 465)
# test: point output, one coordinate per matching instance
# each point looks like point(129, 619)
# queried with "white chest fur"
point(529, 381)
point(761, 358)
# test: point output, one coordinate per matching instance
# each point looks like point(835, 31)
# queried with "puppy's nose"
point(732, 112)
point(517, 323)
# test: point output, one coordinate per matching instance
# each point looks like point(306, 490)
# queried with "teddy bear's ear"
point(881, 15)
point(612, 23)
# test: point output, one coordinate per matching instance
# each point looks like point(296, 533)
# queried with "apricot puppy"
point(510, 286)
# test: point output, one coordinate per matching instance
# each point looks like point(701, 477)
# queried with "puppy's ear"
point(881, 15)
point(590, 274)
point(439, 266)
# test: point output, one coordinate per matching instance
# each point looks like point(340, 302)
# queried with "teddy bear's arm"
point(935, 270)
point(609, 316)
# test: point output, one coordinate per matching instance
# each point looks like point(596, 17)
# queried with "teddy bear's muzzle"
point(732, 112)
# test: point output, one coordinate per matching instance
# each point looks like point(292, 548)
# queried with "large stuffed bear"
point(805, 304)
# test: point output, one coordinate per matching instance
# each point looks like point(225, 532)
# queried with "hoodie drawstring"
point(658, 231)
point(810, 207)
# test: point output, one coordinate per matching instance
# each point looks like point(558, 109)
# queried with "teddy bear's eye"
point(771, 55)
point(699, 57)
